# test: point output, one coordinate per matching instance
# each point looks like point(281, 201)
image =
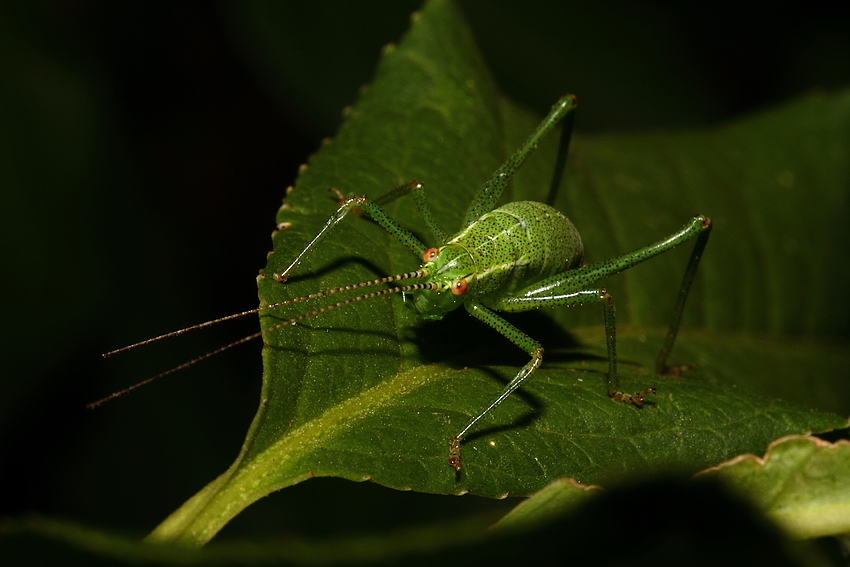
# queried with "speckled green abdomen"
point(518, 244)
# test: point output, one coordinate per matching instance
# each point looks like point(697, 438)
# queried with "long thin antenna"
point(399, 277)
point(186, 330)
point(420, 273)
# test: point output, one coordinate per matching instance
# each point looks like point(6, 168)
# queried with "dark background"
point(145, 148)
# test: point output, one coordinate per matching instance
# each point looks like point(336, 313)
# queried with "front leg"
point(371, 208)
point(517, 337)
point(535, 350)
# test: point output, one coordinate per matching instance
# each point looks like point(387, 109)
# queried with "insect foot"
point(636, 399)
point(454, 454)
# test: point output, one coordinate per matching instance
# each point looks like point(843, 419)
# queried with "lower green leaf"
point(801, 483)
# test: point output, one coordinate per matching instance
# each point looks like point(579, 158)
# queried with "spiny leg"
point(561, 160)
point(585, 276)
point(560, 291)
point(613, 377)
point(690, 272)
point(487, 197)
point(520, 339)
point(372, 207)
point(375, 212)
point(535, 350)
point(421, 200)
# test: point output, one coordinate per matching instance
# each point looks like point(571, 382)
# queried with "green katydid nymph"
point(516, 257)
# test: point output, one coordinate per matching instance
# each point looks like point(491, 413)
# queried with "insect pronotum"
point(517, 257)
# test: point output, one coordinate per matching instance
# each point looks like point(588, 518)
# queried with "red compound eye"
point(430, 254)
point(459, 287)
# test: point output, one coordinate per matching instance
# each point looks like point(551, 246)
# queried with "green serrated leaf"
point(801, 483)
point(368, 392)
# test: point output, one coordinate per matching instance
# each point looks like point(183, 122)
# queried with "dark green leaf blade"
point(572, 430)
point(367, 392)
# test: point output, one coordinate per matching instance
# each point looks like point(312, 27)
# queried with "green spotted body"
point(502, 252)
point(518, 244)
